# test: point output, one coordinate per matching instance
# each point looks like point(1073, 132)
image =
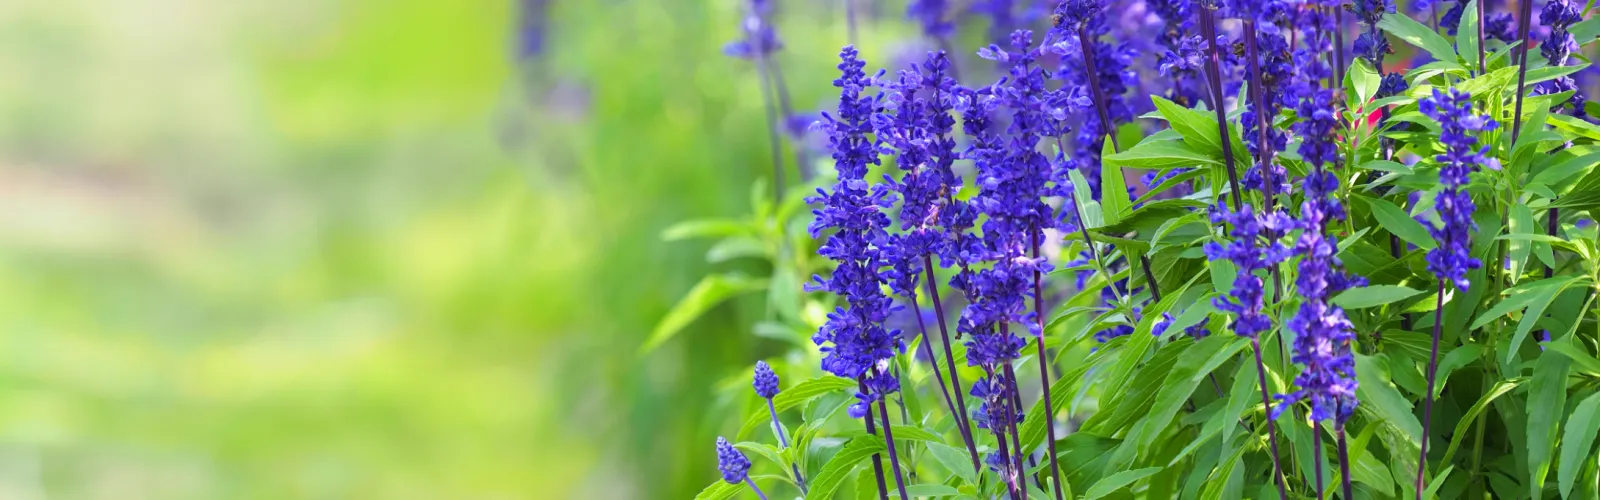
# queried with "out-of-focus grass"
point(354, 250)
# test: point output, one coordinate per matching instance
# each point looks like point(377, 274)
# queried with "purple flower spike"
point(854, 340)
point(734, 465)
point(1452, 258)
point(766, 382)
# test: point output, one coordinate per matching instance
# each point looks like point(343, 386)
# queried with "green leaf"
point(1460, 435)
point(1110, 484)
point(706, 228)
point(1536, 307)
point(1416, 34)
point(1198, 128)
point(1467, 34)
point(838, 468)
point(909, 433)
point(1586, 363)
point(1585, 31)
point(1386, 401)
point(1197, 361)
point(1582, 427)
point(708, 293)
point(1397, 221)
point(1519, 298)
point(926, 491)
point(1113, 190)
point(719, 490)
point(799, 394)
point(1536, 75)
point(1386, 166)
point(1521, 221)
point(955, 459)
point(1363, 79)
point(766, 451)
point(1088, 209)
point(1163, 155)
point(1547, 399)
point(1375, 295)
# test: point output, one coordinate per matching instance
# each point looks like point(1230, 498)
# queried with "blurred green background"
point(361, 249)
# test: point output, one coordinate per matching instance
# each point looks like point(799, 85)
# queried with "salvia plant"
point(1209, 249)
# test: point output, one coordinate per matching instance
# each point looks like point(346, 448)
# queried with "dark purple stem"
point(1525, 11)
point(753, 487)
point(784, 441)
point(888, 441)
point(950, 360)
point(1553, 225)
point(1261, 376)
point(1338, 45)
point(1258, 98)
point(939, 377)
point(1005, 451)
point(1344, 463)
point(776, 148)
point(1427, 405)
point(788, 112)
point(1044, 373)
point(1086, 41)
point(877, 459)
point(1316, 453)
point(1208, 29)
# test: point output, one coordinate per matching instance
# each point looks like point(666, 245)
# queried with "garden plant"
point(1211, 249)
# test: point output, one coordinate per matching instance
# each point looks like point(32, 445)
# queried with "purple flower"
point(735, 467)
point(1559, 15)
point(1323, 334)
point(759, 37)
point(854, 341)
point(1080, 22)
point(766, 382)
point(919, 134)
point(532, 28)
point(1250, 250)
point(932, 14)
point(1452, 258)
point(1196, 331)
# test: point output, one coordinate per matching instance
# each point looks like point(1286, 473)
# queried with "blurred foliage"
point(356, 249)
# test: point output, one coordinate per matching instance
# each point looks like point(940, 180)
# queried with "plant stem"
point(888, 441)
point(1427, 405)
point(850, 19)
point(1316, 453)
point(1344, 463)
point(877, 460)
point(775, 147)
point(1208, 29)
point(1525, 12)
point(955, 377)
point(1258, 99)
point(1005, 451)
point(787, 111)
point(1338, 45)
point(1101, 106)
point(784, 440)
point(939, 377)
point(753, 487)
point(1261, 374)
point(1044, 373)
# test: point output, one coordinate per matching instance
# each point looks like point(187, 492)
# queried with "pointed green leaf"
point(796, 395)
point(1113, 190)
point(1535, 310)
point(1375, 295)
point(1110, 484)
point(719, 490)
point(708, 293)
point(1460, 435)
point(1547, 400)
point(1386, 401)
point(1582, 428)
point(1398, 222)
point(1467, 33)
point(1163, 155)
point(838, 468)
point(1416, 34)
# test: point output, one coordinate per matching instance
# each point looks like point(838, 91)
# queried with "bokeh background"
point(370, 248)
